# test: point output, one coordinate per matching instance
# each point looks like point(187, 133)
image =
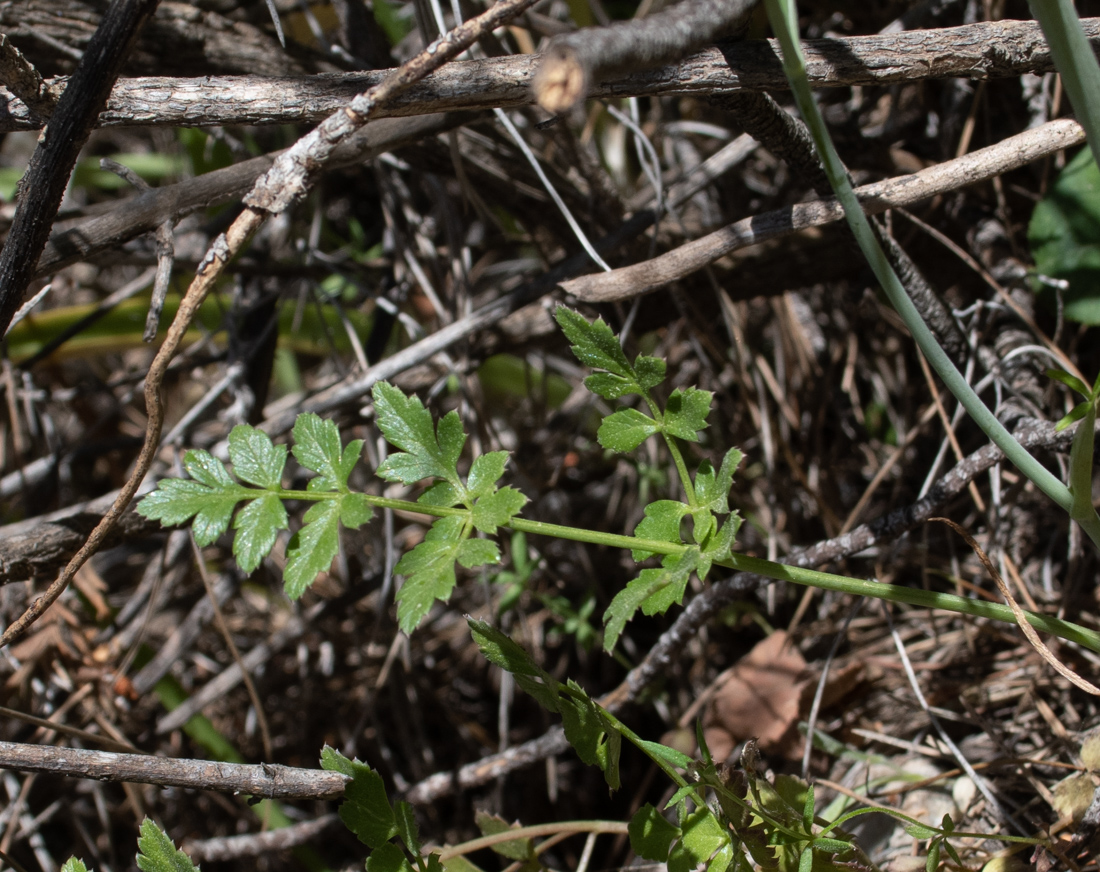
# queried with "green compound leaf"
point(477, 552)
point(442, 493)
point(686, 413)
point(610, 387)
point(255, 459)
point(177, 500)
point(74, 865)
point(312, 549)
point(496, 509)
point(203, 467)
point(429, 571)
point(485, 472)
point(625, 430)
point(156, 853)
point(388, 858)
point(662, 523)
point(702, 836)
point(712, 491)
point(655, 590)
point(366, 809)
point(650, 371)
point(501, 650)
point(650, 834)
point(594, 344)
point(1064, 235)
point(317, 447)
point(355, 510)
point(257, 525)
point(590, 733)
point(428, 452)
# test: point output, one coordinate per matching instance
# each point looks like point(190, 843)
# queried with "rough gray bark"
point(987, 50)
point(572, 62)
point(268, 781)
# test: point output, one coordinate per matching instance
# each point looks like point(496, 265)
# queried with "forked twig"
point(1028, 630)
point(288, 180)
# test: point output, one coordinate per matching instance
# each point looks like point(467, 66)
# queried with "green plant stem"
point(533, 832)
point(784, 22)
point(781, 572)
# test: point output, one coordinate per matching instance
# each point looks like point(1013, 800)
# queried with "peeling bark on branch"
point(993, 49)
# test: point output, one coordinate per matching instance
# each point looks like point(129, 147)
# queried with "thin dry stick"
point(1028, 630)
point(288, 180)
point(24, 81)
point(985, 50)
point(268, 781)
point(650, 275)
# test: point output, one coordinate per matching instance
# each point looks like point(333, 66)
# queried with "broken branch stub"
point(573, 61)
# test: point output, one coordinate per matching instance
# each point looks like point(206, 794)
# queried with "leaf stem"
point(532, 832)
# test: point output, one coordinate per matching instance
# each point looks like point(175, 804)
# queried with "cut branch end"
point(561, 82)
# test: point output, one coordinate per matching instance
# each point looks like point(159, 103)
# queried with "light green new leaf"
point(156, 853)
point(702, 836)
point(317, 447)
point(686, 413)
point(497, 509)
point(670, 755)
point(427, 452)
point(257, 526)
point(662, 523)
point(485, 472)
point(625, 430)
point(429, 571)
point(255, 459)
point(1070, 381)
point(312, 549)
point(501, 650)
point(593, 343)
point(366, 809)
point(388, 858)
point(650, 834)
point(74, 865)
point(176, 500)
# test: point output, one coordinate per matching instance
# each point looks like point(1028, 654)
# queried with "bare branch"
point(992, 49)
point(268, 781)
point(149, 210)
point(255, 844)
point(573, 61)
point(24, 81)
point(648, 276)
point(52, 162)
